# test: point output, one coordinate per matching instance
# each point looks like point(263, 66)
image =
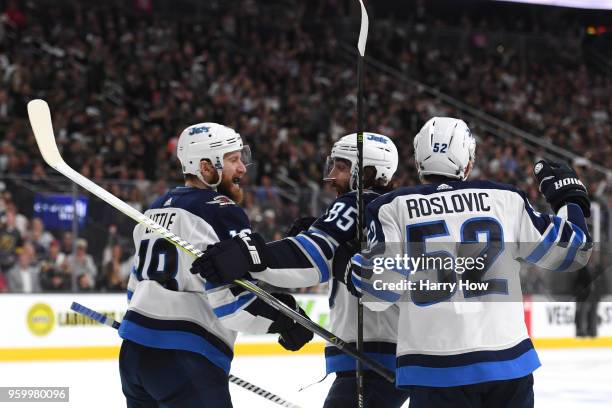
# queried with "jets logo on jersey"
point(444, 187)
point(221, 200)
point(168, 202)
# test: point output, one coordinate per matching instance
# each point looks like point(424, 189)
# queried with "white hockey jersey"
point(311, 258)
point(169, 307)
point(462, 335)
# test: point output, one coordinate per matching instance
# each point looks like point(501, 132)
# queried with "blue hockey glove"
point(232, 259)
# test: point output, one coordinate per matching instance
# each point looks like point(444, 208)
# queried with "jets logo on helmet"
point(444, 146)
point(379, 151)
point(209, 141)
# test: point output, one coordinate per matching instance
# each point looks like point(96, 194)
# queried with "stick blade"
point(363, 32)
point(40, 120)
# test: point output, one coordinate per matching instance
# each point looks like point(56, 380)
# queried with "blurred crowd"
point(124, 78)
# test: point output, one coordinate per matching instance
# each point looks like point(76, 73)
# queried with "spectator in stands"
point(24, 277)
point(54, 270)
point(10, 240)
point(39, 238)
point(115, 271)
point(67, 243)
point(83, 266)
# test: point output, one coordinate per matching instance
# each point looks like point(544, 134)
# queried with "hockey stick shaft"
point(363, 36)
point(100, 318)
point(40, 119)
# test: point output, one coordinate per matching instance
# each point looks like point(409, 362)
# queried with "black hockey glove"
point(293, 336)
point(299, 225)
point(232, 259)
point(560, 185)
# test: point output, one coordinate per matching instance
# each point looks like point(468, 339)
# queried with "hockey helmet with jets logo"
point(444, 146)
point(379, 151)
point(209, 141)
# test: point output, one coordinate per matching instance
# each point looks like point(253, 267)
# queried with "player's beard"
point(230, 189)
point(340, 187)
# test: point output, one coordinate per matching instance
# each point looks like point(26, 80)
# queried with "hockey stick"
point(361, 44)
point(100, 318)
point(40, 120)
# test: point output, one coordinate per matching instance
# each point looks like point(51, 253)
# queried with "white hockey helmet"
point(209, 141)
point(379, 151)
point(444, 146)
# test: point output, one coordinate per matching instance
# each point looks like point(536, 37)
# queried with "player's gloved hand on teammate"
point(299, 225)
point(226, 261)
point(357, 270)
point(293, 336)
point(560, 185)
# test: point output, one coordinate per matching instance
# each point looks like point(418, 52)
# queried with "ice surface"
point(568, 378)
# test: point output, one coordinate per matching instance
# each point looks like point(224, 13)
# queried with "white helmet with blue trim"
point(209, 141)
point(379, 151)
point(444, 146)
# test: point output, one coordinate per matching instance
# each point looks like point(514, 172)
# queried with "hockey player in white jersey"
point(458, 345)
point(322, 253)
point(179, 330)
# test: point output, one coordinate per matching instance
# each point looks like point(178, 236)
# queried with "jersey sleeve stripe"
point(549, 239)
point(333, 244)
point(230, 308)
point(571, 253)
point(313, 253)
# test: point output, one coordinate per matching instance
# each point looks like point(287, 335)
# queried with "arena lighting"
point(584, 4)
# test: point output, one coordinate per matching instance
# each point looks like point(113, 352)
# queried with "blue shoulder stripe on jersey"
point(316, 256)
point(548, 241)
point(476, 373)
point(232, 307)
point(571, 253)
point(129, 295)
point(173, 339)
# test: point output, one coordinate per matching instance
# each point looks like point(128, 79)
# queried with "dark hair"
point(369, 181)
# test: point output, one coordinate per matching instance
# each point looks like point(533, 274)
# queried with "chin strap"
point(214, 185)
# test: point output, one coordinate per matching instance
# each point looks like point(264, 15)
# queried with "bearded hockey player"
point(460, 345)
point(320, 254)
point(179, 330)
